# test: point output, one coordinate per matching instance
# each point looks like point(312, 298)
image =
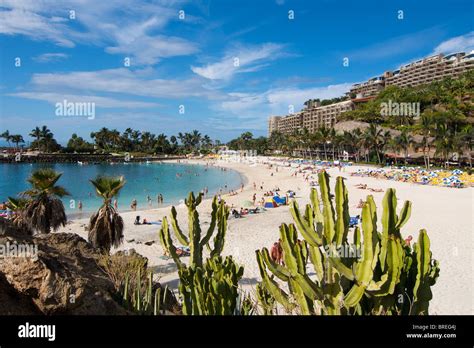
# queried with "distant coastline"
point(81, 157)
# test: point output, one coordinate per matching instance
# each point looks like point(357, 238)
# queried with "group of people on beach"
point(134, 203)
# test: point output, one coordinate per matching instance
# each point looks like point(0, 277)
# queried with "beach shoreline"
point(77, 215)
point(446, 214)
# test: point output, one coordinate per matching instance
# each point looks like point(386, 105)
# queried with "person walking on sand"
point(148, 198)
point(254, 186)
point(115, 204)
point(254, 198)
point(161, 198)
point(242, 187)
point(134, 204)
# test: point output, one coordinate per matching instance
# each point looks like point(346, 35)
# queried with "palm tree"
point(444, 142)
point(195, 139)
point(206, 141)
point(464, 141)
point(18, 205)
point(17, 138)
point(324, 134)
point(36, 133)
point(426, 124)
point(45, 210)
point(374, 138)
point(6, 135)
point(402, 142)
point(106, 225)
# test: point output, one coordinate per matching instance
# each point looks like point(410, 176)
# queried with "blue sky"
point(192, 61)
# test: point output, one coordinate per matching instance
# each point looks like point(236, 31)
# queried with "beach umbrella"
point(247, 204)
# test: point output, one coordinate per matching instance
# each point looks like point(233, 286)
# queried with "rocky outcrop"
point(53, 274)
point(14, 303)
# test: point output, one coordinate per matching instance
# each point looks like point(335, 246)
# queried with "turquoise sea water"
point(173, 181)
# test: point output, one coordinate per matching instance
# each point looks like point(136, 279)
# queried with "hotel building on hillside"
point(420, 72)
point(417, 73)
point(312, 117)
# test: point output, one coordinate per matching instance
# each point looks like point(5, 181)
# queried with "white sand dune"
point(447, 215)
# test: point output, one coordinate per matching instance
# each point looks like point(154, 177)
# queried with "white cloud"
point(240, 59)
point(122, 81)
point(277, 101)
point(251, 110)
point(121, 26)
point(50, 57)
point(38, 27)
point(103, 102)
point(149, 50)
point(462, 43)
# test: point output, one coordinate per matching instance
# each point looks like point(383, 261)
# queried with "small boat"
point(80, 163)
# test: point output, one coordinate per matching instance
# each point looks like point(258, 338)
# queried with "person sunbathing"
point(137, 221)
point(361, 186)
point(361, 204)
point(236, 214)
point(375, 190)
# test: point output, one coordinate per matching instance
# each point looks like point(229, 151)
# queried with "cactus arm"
point(357, 236)
point(178, 232)
point(425, 276)
point(389, 220)
point(289, 251)
point(278, 294)
point(354, 295)
point(167, 243)
point(219, 239)
point(341, 267)
point(156, 307)
point(375, 288)
point(388, 281)
point(309, 288)
point(342, 210)
point(328, 210)
point(265, 299)
point(306, 230)
point(317, 260)
point(304, 301)
point(365, 272)
point(405, 214)
point(333, 296)
point(195, 239)
point(276, 269)
point(315, 202)
point(212, 225)
point(363, 269)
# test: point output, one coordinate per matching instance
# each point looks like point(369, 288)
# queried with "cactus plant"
point(139, 297)
point(388, 278)
point(210, 287)
point(194, 240)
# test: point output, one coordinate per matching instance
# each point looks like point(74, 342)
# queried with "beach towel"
point(353, 221)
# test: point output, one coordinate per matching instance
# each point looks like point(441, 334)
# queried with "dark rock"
point(59, 276)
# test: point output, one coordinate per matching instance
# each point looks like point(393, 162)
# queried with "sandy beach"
point(446, 213)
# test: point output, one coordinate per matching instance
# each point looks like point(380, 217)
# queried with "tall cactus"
point(388, 278)
point(194, 240)
point(210, 287)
